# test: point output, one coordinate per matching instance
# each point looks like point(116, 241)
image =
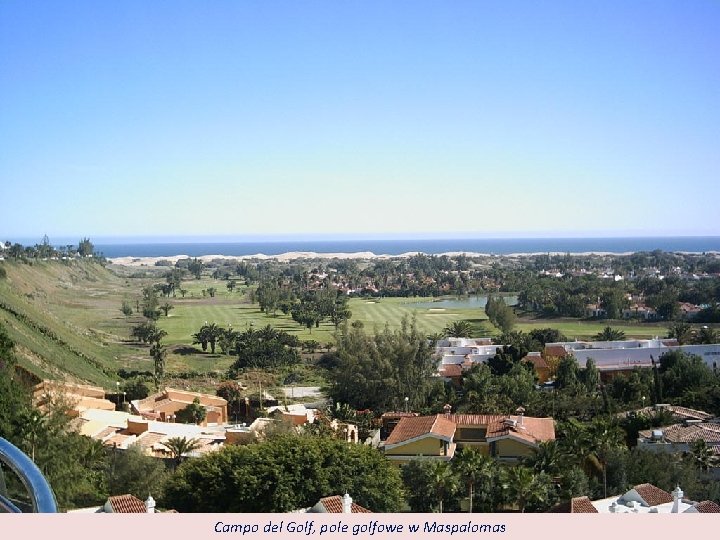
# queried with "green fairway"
point(190, 314)
point(579, 329)
point(66, 320)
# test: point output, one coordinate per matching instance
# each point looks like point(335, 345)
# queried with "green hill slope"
point(64, 318)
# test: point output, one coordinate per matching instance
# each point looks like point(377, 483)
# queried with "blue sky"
point(249, 119)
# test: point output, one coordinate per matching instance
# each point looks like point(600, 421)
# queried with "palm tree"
point(609, 334)
point(525, 487)
point(545, 457)
point(702, 455)
point(443, 481)
point(681, 331)
point(473, 467)
point(179, 446)
point(707, 336)
point(458, 329)
point(604, 435)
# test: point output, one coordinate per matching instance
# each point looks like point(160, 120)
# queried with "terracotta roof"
point(577, 505)
point(533, 430)
point(412, 427)
point(536, 361)
point(119, 438)
point(476, 419)
point(333, 505)
point(653, 495)
point(398, 414)
point(127, 504)
point(708, 507)
point(680, 433)
point(451, 370)
point(149, 438)
point(555, 350)
point(105, 432)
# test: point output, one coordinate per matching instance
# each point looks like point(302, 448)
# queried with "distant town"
point(463, 382)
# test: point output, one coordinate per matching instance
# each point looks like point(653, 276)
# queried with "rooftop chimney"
point(447, 408)
point(347, 504)
point(520, 411)
point(677, 497)
point(150, 505)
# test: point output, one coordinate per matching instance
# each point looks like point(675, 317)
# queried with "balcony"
point(41, 497)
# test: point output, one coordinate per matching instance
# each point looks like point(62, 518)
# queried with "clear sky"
point(253, 118)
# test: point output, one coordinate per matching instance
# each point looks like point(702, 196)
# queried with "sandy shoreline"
point(298, 255)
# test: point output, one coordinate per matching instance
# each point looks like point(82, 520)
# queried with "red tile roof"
point(680, 433)
point(451, 370)
point(533, 430)
point(127, 504)
point(708, 507)
point(577, 505)
point(653, 495)
point(333, 505)
point(412, 427)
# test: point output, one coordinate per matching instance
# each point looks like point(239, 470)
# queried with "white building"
point(628, 354)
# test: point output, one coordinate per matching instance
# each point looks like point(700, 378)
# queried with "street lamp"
point(407, 399)
point(117, 392)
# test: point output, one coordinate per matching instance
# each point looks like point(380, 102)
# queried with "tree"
point(158, 353)
point(429, 484)
point(136, 388)
point(166, 307)
point(7, 346)
point(609, 334)
point(264, 348)
point(525, 487)
point(131, 471)
point(194, 413)
point(707, 336)
point(681, 331)
point(339, 311)
point(567, 373)
point(181, 446)
point(472, 467)
point(195, 267)
point(458, 329)
point(86, 248)
point(282, 475)
point(378, 371)
point(547, 335)
point(306, 313)
point(443, 481)
point(591, 376)
point(126, 308)
point(231, 392)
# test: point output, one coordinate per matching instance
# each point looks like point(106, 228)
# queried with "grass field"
point(66, 321)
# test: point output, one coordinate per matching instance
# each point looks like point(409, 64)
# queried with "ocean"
point(498, 246)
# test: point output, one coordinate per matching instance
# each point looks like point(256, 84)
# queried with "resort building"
point(164, 406)
point(437, 437)
point(641, 499)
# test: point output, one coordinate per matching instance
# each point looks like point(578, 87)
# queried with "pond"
point(467, 302)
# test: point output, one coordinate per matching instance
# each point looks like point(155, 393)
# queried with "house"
point(679, 413)
point(77, 397)
point(120, 430)
point(295, 415)
point(640, 499)
point(165, 405)
point(679, 437)
point(626, 355)
point(506, 438)
point(540, 365)
point(337, 505)
point(120, 504)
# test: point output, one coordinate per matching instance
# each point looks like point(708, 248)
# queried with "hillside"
point(65, 320)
